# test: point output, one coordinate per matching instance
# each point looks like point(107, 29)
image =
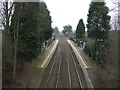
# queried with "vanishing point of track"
point(63, 70)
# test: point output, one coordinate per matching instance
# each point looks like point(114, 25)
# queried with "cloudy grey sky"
point(66, 12)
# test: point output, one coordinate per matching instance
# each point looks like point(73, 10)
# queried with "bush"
point(87, 49)
point(92, 48)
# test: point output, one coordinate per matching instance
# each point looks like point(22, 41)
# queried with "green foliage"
point(98, 21)
point(87, 49)
point(67, 29)
point(80, 31)
point(98, 27)
point(34, 27)
point(93, 50)
point(44, 22)
point(97, 50)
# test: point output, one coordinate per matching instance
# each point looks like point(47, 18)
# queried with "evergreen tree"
point(26, 16)
point(80, 31)
point(30, 25)
point(14, 33)
point(45, 22)
point(98, 20)
point(28, 47)
point(34, 27)
point(98, 27)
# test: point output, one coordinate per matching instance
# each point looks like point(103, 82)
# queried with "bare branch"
point(10, 11)
point(6, 12)
point(115, 10)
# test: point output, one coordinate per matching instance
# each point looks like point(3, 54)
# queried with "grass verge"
point(37, 73)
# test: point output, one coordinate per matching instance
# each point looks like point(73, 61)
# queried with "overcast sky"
point(69, 12)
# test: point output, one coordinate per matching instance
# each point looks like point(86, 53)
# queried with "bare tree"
point(116, 11)
point(6, 9)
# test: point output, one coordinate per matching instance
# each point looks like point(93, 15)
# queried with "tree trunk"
point(6, 38)
point(15, 53)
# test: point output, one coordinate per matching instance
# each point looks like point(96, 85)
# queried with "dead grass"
point(112, 53)
point(110, 72)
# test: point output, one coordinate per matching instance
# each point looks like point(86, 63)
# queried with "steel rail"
point(69, 73)
point(50, 72)
point(58, 73)
point(80, 83)
point(68, 64)
point(76, 69)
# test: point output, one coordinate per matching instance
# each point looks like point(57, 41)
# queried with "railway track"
point(53, 76)
point(58, 74)
point(63, 70)
point(50, 77)
point(69, 74)
point(75, 80)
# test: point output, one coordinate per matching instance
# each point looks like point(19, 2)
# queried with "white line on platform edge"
point(86, 66)
point(49, 54)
